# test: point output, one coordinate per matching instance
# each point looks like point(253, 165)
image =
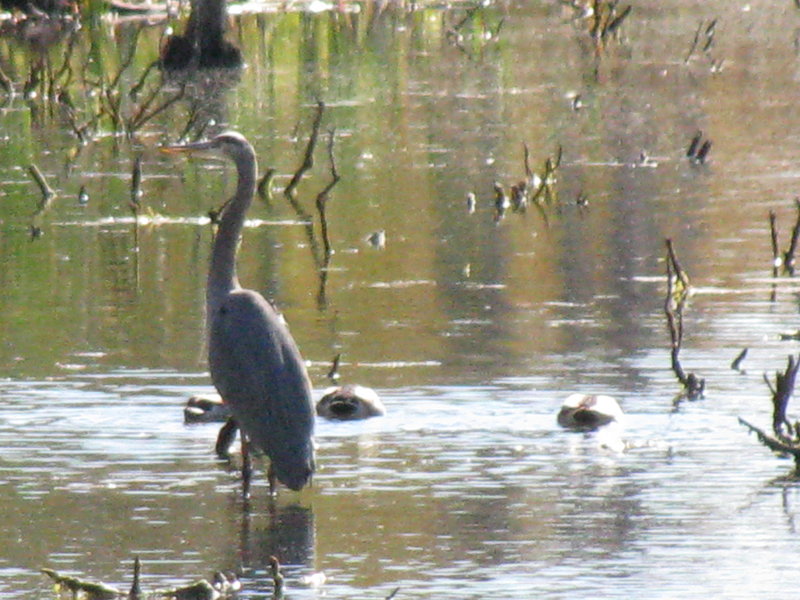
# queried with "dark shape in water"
point(202, 45)
point(350, 403)
point(205, 408)
point(587, 412)
point(698, 152)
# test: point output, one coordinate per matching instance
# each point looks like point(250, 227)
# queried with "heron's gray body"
point(257, 369)
point(255, 364)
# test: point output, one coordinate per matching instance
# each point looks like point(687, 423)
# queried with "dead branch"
point(277, 578)
point(264, 188)
point(781, 394)
point(776, 254)
point(322, 198)
point(785, 260)
point(5, 83)
point(47, 192)
point(308, 158)
point(788, 256)
point(136, 184)
point(772, 443)
point(737, 362)
point(786, 435)
point(142, 116)
point(674, 304)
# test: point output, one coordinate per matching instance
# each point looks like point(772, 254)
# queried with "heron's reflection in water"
point(285, 531)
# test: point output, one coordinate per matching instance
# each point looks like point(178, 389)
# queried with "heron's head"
point(295, 471)
point(231, 144)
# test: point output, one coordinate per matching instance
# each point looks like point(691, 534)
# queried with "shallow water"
point(472, 331)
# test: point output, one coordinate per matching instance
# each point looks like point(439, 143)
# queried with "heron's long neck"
point(222, 274)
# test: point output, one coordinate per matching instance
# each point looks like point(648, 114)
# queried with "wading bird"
point(255, 364)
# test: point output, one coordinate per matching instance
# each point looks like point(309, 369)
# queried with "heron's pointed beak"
point(191, 148)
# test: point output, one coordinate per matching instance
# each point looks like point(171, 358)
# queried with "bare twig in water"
point(136, 184)
point(264, 188)
point(737, 362)
point(694, 144)
point(134, 91)
point(277, 578)
point(5, 83)
point(786, 435)
point(142, 116)
point(706, 32)
point(44, 203)
point(308, 158)
point(333, 373)
point(776, 253)
point(135, 592)
point(322, 199)
point(321, 257)
point(697, 152)
point(674, 304)
point(47, 192)
point(781, 394)
point(606, 19)
point(526, 156)
point(788, 256)
point(774, 444)
point(786, 260)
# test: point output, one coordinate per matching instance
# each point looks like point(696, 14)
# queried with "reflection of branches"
point(321, 259)
point(322, 199)
point(321, 203)
point(142, 116)
point(481, 34)
point(674, 303)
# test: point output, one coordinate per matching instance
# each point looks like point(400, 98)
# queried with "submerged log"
point(223, 585)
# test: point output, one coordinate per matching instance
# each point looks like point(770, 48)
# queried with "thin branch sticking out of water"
point(308, 158)
point(674, 305)
point(785, 260)
point(736, 365)
point(697, 152)
point(606, 19)
point(786, 435)
point(322, 199)
point(703, 42)
point(47, 192)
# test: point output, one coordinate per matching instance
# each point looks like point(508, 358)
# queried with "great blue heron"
point(255, 364)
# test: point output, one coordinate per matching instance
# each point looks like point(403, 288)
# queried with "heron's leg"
point(225, 438)
point(247, 466)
